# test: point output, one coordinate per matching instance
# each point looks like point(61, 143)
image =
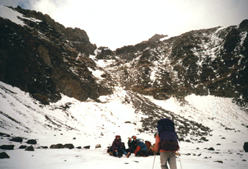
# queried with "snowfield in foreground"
point(91, 123)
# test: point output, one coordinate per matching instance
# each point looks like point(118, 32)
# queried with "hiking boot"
point(128, 154)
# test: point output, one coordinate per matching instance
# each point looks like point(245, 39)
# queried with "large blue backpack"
point(167, 135)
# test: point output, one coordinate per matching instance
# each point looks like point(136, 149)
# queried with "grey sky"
point(115, 23)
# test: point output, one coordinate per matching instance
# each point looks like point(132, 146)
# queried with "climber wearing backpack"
point(166, 142)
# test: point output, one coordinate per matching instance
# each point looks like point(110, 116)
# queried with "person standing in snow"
point(166, 142)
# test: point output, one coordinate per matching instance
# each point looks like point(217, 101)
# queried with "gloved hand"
point(177, 153)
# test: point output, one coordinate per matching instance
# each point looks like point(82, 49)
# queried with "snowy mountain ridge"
point(211, 61)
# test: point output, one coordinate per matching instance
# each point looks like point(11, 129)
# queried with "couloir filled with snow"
point(91, 123)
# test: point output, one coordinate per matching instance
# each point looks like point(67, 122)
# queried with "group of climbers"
point(166, 145)
point(135, 146)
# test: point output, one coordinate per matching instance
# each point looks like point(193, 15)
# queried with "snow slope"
point(91, 123)
point(14, 16)
point(97, 121)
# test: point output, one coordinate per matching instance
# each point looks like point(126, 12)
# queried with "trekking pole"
point(180, 162)
point(153, 161)
point(179, 156)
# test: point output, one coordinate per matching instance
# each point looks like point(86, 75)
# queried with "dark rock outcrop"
point(45, 59)
point(243, 25)
point(211, 149)
point(69, 146)
point(29, 148)
point(3, 155)
point(31, 141)
point(4, 134)
point(7, 147)
point(56, 146)
point(86, 147)
point(17, 139)
point(104, 53)
point(245, 146)
point(60, 146)
point(22, 147)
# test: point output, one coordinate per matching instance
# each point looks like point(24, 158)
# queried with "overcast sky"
point(115, 23)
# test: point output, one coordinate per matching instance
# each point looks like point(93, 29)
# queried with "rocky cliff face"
point(211, 61)
point(45, 58)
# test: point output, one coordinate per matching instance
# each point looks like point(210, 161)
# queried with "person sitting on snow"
point(118, 148)
point(137, 147)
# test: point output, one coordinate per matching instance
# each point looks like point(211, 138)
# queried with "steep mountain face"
point(211, 61)
point(45, 58)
